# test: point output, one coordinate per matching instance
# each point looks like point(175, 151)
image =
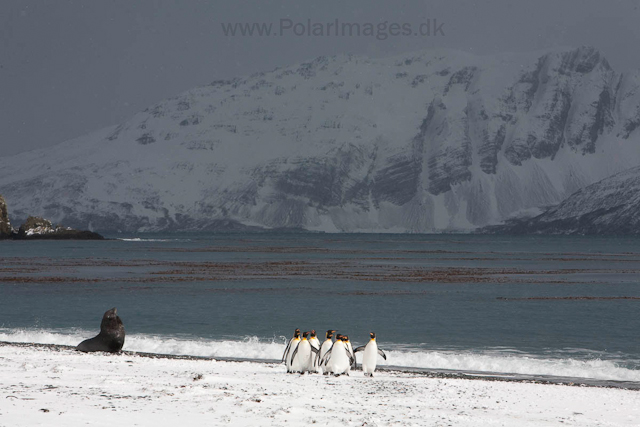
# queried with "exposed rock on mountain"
point(36, 225)
point(5, 225)
point(610, 206)
point(433, 141)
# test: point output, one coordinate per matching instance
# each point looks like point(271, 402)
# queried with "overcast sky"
point(70, 67)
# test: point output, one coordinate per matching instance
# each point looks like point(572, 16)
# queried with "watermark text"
point(336, 28)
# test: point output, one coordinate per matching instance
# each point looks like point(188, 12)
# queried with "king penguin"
point(313, 340)
point(302, 359)
point(370, 357)
point(326, 345)
point(291, 346)
point(338, 359)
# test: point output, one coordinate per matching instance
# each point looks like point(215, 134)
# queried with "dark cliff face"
point(568, 99)
point(5, 224)
point(627, 94)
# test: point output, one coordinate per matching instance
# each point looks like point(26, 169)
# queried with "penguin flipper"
point(352, 355)
point(326, 356)
point(293, 356)
point(381, 353)
point(361, 348)
point(286, 350)
point(315, 350)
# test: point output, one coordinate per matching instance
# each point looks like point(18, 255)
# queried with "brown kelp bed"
point(395, 270)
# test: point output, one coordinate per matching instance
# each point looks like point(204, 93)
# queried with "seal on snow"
point(111, 336)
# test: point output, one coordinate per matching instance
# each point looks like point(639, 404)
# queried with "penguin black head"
point(313, 333)
point(339, 337)
point(372, 335)
point(305, 335)
point(296, 334)
point(330, 333)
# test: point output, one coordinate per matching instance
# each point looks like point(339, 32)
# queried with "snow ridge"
point(432, 141)
point(610, 206)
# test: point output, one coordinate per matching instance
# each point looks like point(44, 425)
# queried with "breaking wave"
point(599, 368)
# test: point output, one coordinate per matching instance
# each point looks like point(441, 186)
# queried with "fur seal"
point(111, 336)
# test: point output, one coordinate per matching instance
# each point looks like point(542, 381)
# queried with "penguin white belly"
point(302, 359)
point(339, 359)
point(370, 358)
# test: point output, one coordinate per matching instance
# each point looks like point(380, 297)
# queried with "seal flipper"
point(381, 353)
point(87, 345)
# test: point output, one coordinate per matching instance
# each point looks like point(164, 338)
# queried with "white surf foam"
point(264, 349)
point(39, 336)
point(515, 364)
point(139, 239)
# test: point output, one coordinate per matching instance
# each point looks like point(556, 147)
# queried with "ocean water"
point(564, 306)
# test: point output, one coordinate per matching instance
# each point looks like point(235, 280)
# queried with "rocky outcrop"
point(5, 225)
point(40, 228)
point(37, 225)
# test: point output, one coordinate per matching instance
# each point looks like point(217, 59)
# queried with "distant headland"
point(36, 228)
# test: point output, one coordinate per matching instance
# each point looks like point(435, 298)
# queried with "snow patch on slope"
point(430, 141)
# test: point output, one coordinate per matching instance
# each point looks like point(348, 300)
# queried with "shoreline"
point(422, 372)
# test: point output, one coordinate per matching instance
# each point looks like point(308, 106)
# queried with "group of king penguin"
point(337, 357)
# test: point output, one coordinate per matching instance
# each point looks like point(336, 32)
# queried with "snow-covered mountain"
point(610, 206)
point(437, 140)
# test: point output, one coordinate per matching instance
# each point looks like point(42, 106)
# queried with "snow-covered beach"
point(58, 386)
